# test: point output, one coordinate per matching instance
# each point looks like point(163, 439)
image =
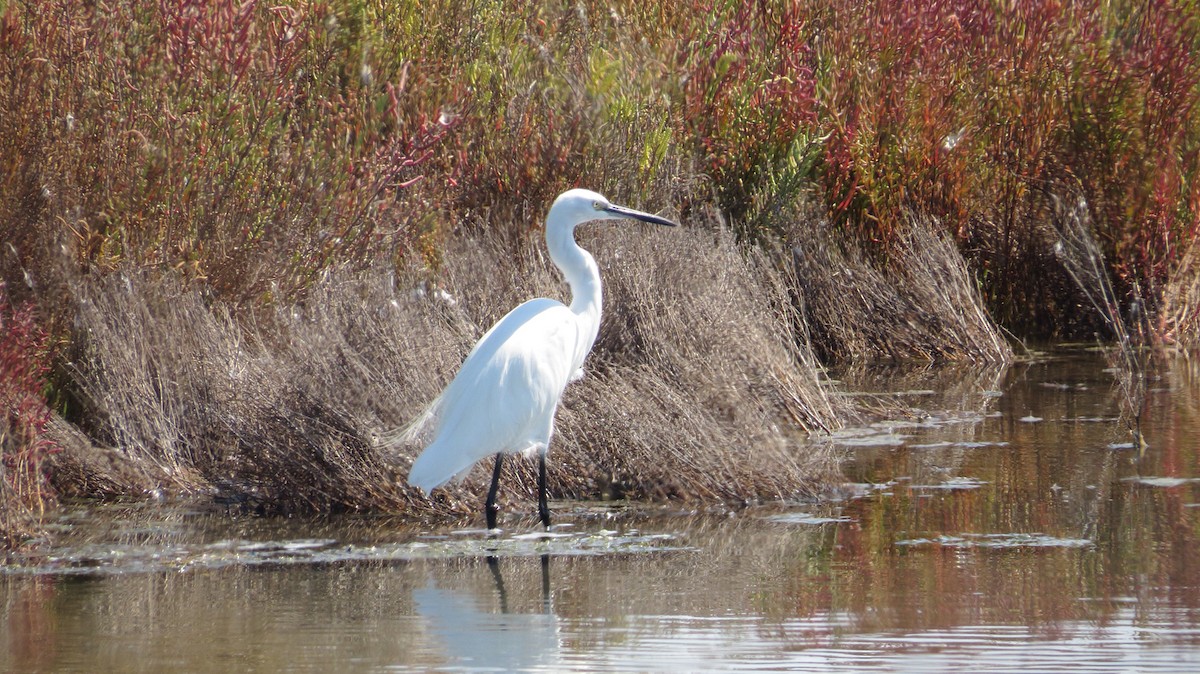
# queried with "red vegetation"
point(24, 445)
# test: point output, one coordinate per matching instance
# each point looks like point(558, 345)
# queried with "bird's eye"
point(597, 205)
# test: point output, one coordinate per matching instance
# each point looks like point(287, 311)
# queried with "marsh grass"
point(700, 332)
point(1130, 335)
point(260, 416)
point(1180, 315)
point(223, 140)
point(694, 372)
point(969, 112)
point(922, 304)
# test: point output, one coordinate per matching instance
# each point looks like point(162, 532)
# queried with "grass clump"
point(922, 303)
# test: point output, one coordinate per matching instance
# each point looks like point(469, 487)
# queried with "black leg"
point(490, 508)
point(494, 565)
point(547, 604)
point(543, 506)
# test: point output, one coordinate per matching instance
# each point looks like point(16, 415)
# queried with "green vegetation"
point(231, 164)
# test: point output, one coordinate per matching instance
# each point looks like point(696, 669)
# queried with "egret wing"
point(504, 396)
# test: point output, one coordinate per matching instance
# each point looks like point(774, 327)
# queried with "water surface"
point(1008, 524)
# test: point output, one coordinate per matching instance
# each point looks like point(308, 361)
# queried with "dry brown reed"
point(260, 414)
point(699, 337)
point(1129, 355)
point(920, 304)
point(1180, 313)
point(696, 389)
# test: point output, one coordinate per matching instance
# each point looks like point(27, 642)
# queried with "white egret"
point(503, 399)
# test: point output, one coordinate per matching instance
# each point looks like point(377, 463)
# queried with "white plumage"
point(504, 396)
point(503, 399)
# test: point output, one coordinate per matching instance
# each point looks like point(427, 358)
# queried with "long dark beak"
point(638, 215)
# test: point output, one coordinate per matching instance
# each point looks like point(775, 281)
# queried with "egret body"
point(503, 399)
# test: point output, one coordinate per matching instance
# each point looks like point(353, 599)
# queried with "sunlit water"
point(1009, 526)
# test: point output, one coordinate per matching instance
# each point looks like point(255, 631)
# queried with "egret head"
point(575, 207)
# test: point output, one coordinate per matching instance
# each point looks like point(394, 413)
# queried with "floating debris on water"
point(945, 444)
point(541, 535)
point(1063, 386)
point(1163, 482)
point(115, 559)
point(198, 540)
point(807, 518)
point(998, 541)
point(953, 483)
point(867, 437)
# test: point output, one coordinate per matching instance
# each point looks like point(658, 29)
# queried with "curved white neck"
point(579, 268)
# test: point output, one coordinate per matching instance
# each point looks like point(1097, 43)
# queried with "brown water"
point(1011, 527)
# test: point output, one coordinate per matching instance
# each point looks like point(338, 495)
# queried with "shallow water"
point(1009, 526)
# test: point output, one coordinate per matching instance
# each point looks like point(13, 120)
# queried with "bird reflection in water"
point(474, 636)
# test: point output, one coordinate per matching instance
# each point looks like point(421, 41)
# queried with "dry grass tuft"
point(921, 304)
point(1180, 314)
point(269, 415)
point(698, 338)
point(1083, 259)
